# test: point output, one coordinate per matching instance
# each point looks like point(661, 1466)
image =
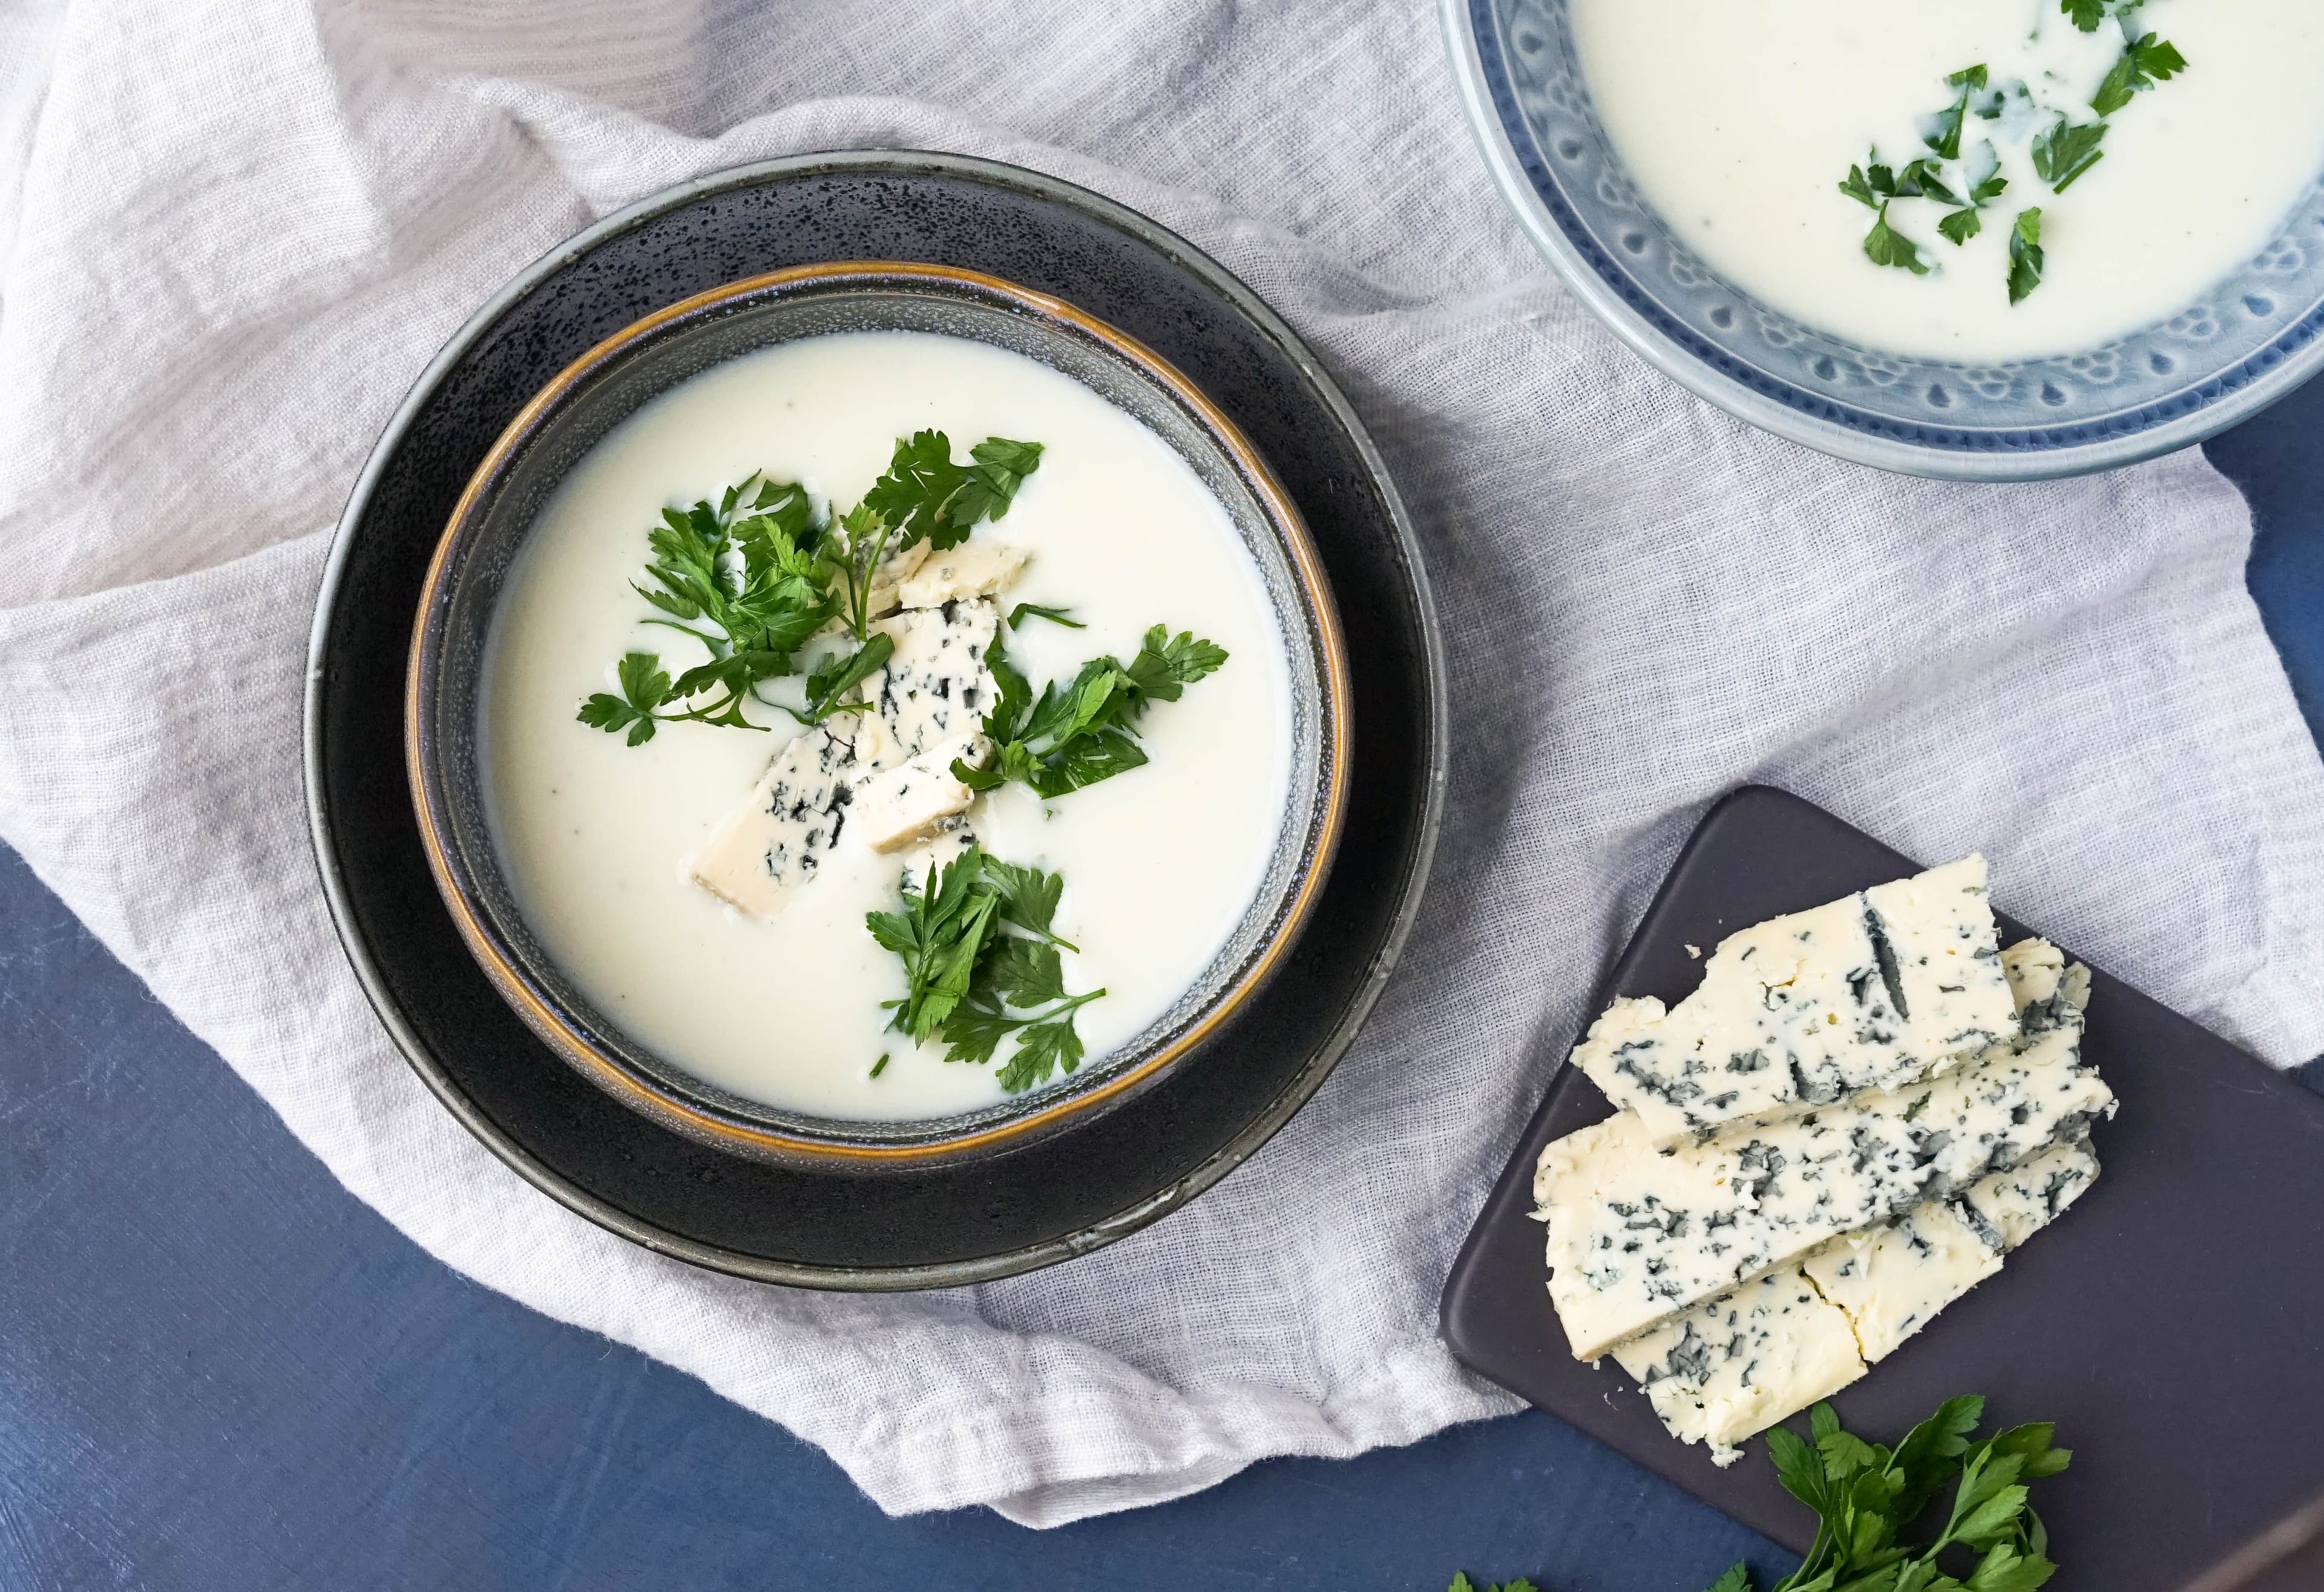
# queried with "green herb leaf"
point(838, 674)
point(1044, 1048)
point(1855, 187)
point(1167, 665)
point(2145, 61)
point(924, 494)
point(1029, 897)
point(1961, 225)
point(2065, 151)
point(1025, 973)
point(1055, 616)
point(644, 689)
point(1737, 1578)
point(1884, 245)
point(972, 1034)
point(2086, 14)
point(2025, 257)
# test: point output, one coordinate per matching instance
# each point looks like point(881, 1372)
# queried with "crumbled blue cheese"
point(972, 569)
point(1638, 1231)
point(889, 575)
point(1871, 991)
point(905, 803)
point(778, 839)
point(937, 685)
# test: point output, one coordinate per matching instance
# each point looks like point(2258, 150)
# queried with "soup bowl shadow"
point(479, 549)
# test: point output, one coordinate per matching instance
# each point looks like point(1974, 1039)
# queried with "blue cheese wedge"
point(1740, 1362)
point(904, 805)
point(1638, 1230)
point(1737, 1364)
point(972, 569)
point(778, 838)
point(937, 685)
point(1871, 991)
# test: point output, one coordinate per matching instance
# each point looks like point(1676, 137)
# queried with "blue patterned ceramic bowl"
point(2246, 342)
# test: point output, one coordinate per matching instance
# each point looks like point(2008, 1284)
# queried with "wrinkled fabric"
point(232, 234)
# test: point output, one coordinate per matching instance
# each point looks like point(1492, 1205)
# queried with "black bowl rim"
point(1050, 1110)
point(1296, 1092)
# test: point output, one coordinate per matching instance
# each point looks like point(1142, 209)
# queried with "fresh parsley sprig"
point(757, 575)
point(1461, 1583)
point(925, 494)
point(744, 579)
point(1865, 1495)
point(1083, 730)
point(981, 962)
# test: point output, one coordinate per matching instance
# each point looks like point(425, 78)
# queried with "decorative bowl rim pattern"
point(1768, 400)
point(544, 1014)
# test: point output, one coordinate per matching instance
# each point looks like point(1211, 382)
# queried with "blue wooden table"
point(218, 1370)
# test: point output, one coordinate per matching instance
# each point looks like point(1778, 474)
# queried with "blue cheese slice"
point(937, 685)
point(1638, 1231)
point(1871, 991)
point(972, 569)
point(778, 839)
point(1738, 1363)
point(904, 805)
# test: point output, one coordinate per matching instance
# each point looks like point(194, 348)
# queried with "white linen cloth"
point(232, 232)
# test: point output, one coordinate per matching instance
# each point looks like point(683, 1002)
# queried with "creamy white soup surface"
point(599, 837)
point(1740, 118)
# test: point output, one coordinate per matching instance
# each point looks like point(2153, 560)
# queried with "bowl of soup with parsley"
point(873, 713)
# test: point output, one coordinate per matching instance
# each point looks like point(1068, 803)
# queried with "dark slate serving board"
point(2172, 1323)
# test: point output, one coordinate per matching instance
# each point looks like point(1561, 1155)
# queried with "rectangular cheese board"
point(2172, 1323)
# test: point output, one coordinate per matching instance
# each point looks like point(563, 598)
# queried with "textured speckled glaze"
point(907, 1228)
point(2247, 342)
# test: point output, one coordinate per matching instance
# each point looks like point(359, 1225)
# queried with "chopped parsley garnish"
point(1885, 245)
point(2065, 150)
point(756, 576)
point(2145, 61)
point(1085, 730)
point(981, 964)
point(2061, 153)
point(2025, 253)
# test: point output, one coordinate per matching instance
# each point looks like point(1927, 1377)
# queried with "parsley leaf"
point(2063, 153)
point(925, 494)
point(1085, 730)
point(644, 687)
point(1944, 135)
point(1737, 1578)
point(1961, 225)
point(1461, 1583)
point(1885, 245)
point(1055, 616)
point(2088, 13)
point(838, 674)
point(2025, 258)
point(2145, 61)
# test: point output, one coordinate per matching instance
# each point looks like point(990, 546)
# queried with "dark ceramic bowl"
point(948, 1222)
point(610, 383)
